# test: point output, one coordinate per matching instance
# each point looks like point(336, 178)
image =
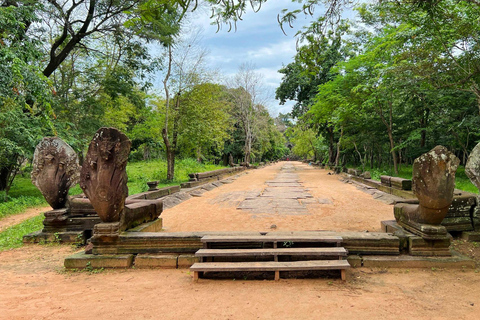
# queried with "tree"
point(25, 94)
point(247, 96)
point(185, 69)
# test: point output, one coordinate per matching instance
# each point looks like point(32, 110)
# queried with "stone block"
point(385, 180)
point(355, 261)
point(186, 260)
point(156, 261)
point(400, 183)
point(389, 226)
point(471, 236)
point(152, 226)
point(407, 261)
point(417, 246)
point(405, 194)
point(82, 261)
point(70, 237)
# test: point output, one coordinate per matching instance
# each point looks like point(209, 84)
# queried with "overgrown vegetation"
point(380, 91)
point(12, 237)
point(462, 182)
point(25, 195)
point(139, 173)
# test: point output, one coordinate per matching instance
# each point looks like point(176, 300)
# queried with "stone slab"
point(186, 260)
point(408, 261)
point(70, 237)
point(189, 242)
point(284, 180)
point(152, 226)
point(355, 261)
point(156, 261)
point(418, 246)
point(285, 189)
point(82, 261)
point(471, 236)
point(285, 195)
point(282, 184)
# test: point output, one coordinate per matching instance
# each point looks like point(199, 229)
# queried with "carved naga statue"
point(433, 184)
point(55, 170)
point(103, 177)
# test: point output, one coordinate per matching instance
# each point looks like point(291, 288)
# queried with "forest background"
point(375, 92)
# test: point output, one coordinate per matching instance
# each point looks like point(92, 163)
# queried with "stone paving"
point(284, 195)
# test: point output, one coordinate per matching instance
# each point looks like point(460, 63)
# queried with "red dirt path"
point(33, 284)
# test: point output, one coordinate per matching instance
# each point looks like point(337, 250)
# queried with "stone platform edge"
point(166, 261)
point(176, 250)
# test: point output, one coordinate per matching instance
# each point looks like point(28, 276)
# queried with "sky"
point(258, 40)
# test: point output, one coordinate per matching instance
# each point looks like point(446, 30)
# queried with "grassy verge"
point(23, 194)
point(12, 237)
point(141, 172)
point(462, 182)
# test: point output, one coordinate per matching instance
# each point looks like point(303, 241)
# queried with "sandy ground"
point(345, 209)
point(18, 218)
point(34, 285)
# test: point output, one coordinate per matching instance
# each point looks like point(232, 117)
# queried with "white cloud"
point(280, 49)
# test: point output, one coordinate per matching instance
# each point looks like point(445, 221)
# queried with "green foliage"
point(25, 94)
point(462, 182)
point(139, 173)
point(19, 204)
point(12, 237)
point(405, 81)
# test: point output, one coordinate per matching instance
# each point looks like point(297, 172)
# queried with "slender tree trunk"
point(389, 125)
point(392, 150)
point(337, 157)
point(371, 158)
point(331, 151)
point(359, 155)
point(168, 147)
point(248, 144)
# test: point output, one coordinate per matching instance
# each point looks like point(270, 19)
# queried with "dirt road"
point(335, 205)
point(33, 284)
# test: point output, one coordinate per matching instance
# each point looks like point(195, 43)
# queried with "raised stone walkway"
point(285, 194)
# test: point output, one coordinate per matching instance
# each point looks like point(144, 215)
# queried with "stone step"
point(335, 251)
point(273, 238)
point(270, 266)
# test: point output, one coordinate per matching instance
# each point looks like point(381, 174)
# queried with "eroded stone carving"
point(472, 169)
point(103, 177)
point(433, 184)
point(55, 170)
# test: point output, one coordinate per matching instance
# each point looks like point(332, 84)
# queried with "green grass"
point(462, 182)
point(141, 172)
point(12, 237)
point(23, 194)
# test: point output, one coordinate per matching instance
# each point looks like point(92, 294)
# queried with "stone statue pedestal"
point(73, 224)
point(423, 239)
point(106, 235)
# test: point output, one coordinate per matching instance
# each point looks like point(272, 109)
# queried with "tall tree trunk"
point(337, 157)
point(331, 152)
point(168, 146)
point(389, 125)
point(248, 144)
point(423, 125)
point(392, 148)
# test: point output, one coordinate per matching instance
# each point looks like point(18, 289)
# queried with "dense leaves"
point(407, 81)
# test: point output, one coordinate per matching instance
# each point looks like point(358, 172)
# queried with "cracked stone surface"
point(282, 196)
